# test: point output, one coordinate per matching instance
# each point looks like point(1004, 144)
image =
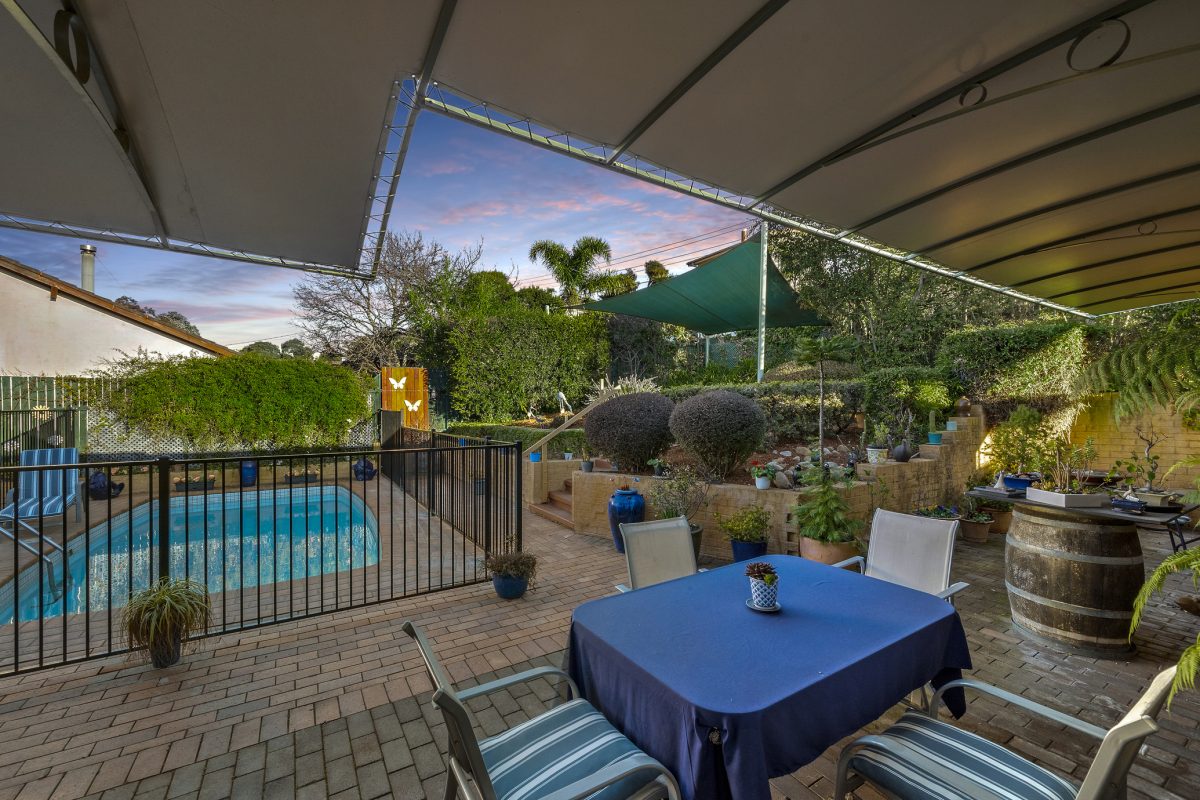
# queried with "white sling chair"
point(911, 551)
point(920, 757)
point(657, 551)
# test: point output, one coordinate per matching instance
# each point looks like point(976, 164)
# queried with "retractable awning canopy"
point(1048, 148)
point(719, 297)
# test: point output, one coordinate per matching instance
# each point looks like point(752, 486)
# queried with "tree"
point(818, 350)
point(656, 272)
point(377, 323)
point(622, 283)
point(268, 349)
point(538, 297)
point(295, 348)
point(172, 318)
point(575, 269)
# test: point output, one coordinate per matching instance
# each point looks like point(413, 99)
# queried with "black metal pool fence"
point(272, 537)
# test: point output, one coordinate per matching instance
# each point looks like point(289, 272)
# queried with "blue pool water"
point(253, 538)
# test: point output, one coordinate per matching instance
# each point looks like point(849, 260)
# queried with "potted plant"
point(1060, 484)
point(310, 475)
point(1138, 472)
point(764, 586)
point(512, 573)
point(1016, 448)
point(587, 465)
point(196, 482)
point(746, 530)
point(164, 616)
point(680, 494)
point(827, 533)
point(877, 451)
point(657, 464)
point(1001, 514)
point(935, 436)
point(625, 505)
point(975, 523)
point(938, 512)
point(568, 455)
point(763, 474)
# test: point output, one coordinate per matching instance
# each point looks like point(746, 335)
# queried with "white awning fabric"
point(1047, 148)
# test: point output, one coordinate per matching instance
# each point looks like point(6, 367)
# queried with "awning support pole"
point(707, 348)
point(762, 302)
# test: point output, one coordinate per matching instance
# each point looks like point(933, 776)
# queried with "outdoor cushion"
point(931, 760)
point(566, 744)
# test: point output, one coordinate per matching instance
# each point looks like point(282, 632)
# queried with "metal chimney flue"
point(87, 268)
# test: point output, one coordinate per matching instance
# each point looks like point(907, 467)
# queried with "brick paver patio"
point(337, 706)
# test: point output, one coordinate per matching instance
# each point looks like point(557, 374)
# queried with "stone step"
point(554, 514)
point(567, 483)
point(562, 499)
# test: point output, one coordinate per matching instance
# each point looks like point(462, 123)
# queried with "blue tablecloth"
point(685, 665)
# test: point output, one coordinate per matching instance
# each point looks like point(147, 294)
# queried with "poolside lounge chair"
point(920, 757)
point(44, 494)
point(570, 751)
point(912, 551)
point(657, 551)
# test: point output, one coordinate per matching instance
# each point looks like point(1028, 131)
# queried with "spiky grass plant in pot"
point(164, 616)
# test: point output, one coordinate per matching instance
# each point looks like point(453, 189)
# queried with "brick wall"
point(938, 475)
point(1115, 440)
point(543, 476)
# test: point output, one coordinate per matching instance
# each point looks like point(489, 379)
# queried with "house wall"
point(40, 336)
point(1115, 440)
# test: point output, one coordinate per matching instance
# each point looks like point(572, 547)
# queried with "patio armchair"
point(657, 551)
point(912, 551)
point(920, 757)
point(44, 494)
point(568, 752)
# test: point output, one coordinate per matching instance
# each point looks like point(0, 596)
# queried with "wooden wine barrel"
point(1072, 578)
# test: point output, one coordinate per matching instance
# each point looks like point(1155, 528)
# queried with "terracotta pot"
point(976, 532)
point(826, 552)
point(1000, 520)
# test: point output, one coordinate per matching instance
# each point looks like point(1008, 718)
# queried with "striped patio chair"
point(921, 758)
point(44, 494)
point(568, 752)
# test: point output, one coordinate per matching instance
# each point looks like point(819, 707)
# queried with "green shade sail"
point(720, 296)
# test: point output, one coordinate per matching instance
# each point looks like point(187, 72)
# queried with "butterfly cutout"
point(412, 406)
point(398, 384)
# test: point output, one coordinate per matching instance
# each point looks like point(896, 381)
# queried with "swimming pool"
point(232, 540)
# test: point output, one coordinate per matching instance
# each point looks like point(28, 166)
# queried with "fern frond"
point(1177, 562)
point(1185, 676)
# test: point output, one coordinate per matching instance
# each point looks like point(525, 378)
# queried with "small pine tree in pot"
point(828, 534)
point(164, 616)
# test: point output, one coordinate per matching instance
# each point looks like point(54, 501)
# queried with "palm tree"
point(575, 269)
point(656, 272)
point(819, 350)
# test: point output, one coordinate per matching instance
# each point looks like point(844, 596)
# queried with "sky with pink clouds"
point(461, 185)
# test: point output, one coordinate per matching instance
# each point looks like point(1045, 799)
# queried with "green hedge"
point(1038, 365)
point(500, 366)
point(571, 440)
point(791, 407)
point(890, 391)
point(238, 401)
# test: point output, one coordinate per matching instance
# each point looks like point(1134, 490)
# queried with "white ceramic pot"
point(876, 455)
point(1066, 500)
point(568, 456)
point(762, 483)
point(763, 594)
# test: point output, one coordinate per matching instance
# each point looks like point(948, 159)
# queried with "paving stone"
point(309, 769)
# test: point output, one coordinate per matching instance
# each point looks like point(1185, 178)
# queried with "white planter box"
point(1066, 500)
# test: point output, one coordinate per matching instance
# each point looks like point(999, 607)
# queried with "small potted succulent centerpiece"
point(763, 474)
point(877, 451)
point(196, 482)
point(164, 616)
point(1016, 448)
point(1061, 486)
point(746, 530)
point(764, 586)
point(512, 573)
point(680, 494)
point(1138, 473)
point(827, 533)
point(658, 465)
point(975, 522)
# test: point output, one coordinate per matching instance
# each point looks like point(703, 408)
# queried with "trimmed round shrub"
point(719, 428)
point(631, 429)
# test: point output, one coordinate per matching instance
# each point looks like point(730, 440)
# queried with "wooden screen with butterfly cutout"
point(406, 389)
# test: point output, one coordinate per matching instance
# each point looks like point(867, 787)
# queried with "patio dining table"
point(727, 697)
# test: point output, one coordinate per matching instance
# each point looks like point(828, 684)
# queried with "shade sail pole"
point(762, 302)
point(707, 348)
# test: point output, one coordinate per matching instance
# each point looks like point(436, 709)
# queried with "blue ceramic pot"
point(535, 457)
point(509, 588)
point(935, 438)
point(745, 551)
point(363, 469)
point(1013, 482)
point(626, 505)
point(249, 473)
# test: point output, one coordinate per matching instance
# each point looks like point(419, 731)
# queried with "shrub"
point(630, 429)
point(720, 428)
point(822, 513)
point(514, 565)
point(893, 392)
point(569, 441)
point(791, 407)
point(237, 401)
point(747, 524)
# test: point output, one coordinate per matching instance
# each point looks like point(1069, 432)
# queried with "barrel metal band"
point(1071, 607)
point(1054, 634)
point(1080, 557)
